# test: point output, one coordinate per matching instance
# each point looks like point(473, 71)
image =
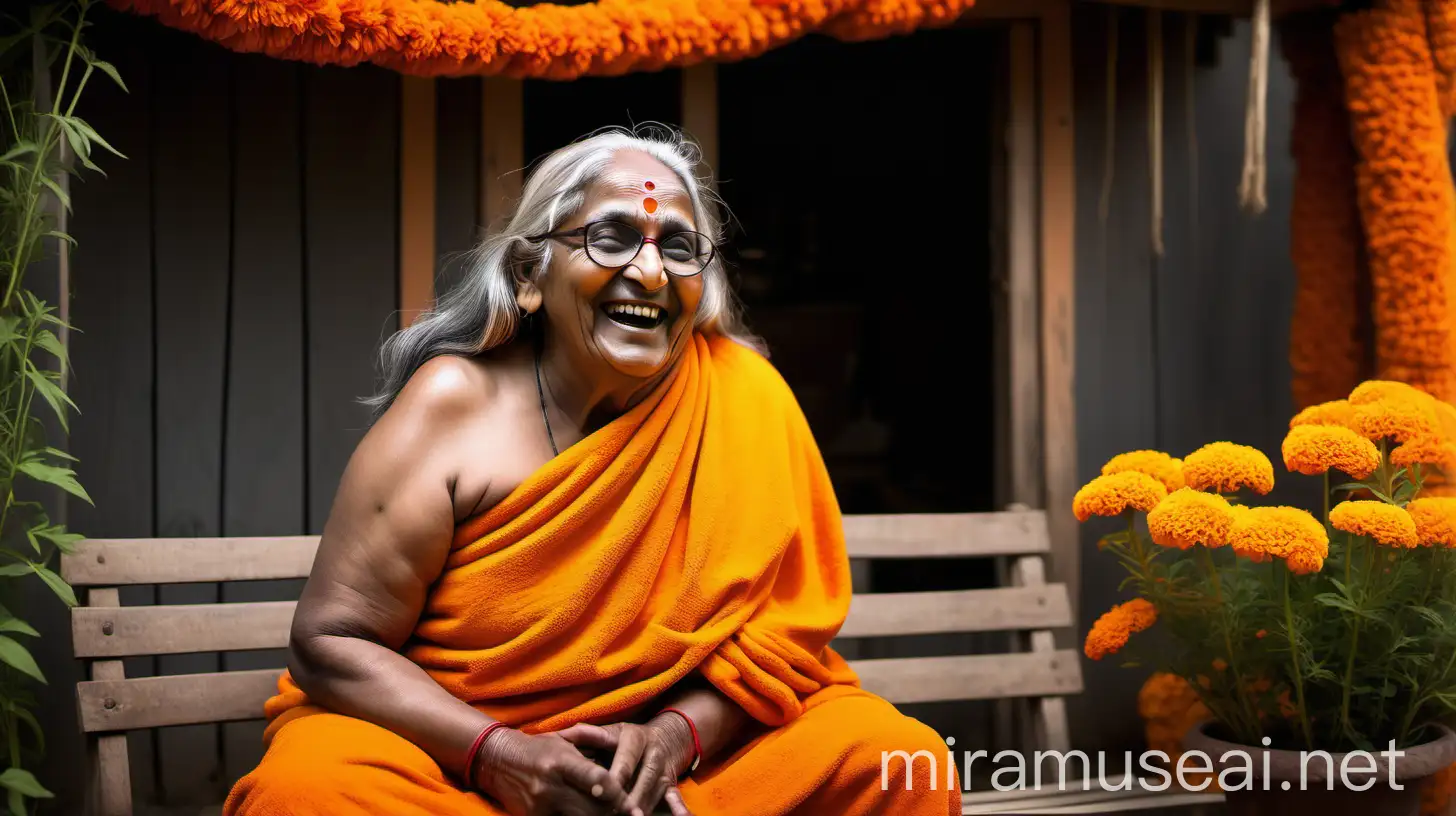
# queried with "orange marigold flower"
point(1335, 412)
point(1224, 467)
point(1372, 391)
point(1261, 634)
point(1169, 706)
point(1314, 449)
point(1189, 517)
point(1111, 631)
point(1262, 533)
point(1114, 494)
point(1386, 523)
point(1425, 450)
point(1287, 709)
point(1435, 519)
point(1398, 419)
point(1219, 664)
point(1166, 469)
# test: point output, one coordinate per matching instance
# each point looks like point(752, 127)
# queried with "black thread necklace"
point(541, 393)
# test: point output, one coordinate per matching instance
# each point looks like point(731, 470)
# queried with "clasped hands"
point(548, 774)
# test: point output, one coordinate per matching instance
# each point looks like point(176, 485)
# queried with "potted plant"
point(1323, 647)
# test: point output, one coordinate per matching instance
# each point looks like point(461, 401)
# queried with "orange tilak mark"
point(650, 205)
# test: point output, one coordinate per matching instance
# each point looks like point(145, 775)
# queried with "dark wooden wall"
point(1192, 347)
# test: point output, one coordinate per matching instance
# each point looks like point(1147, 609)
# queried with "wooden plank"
point(263, 473)
point(110, 777)
point(416, 197)
point(890, 614)
point(112, 353)
point(971, 677)
point(502, 148)
point(928, 535)
point(351, 219)
point(180, 629)
point(193, 191)
point(185, 699)
point(114, 562)
point(1023, 319)
point(700, 109)
point(1048, 715)
point(457, 176)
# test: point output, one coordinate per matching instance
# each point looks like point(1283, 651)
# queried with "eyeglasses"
point(613, 245)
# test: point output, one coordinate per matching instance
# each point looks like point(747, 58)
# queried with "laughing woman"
point(587, 560)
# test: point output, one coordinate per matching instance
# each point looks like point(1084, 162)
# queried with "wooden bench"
point(1035, 674)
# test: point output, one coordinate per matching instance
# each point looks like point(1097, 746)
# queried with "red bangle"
point(697, 744)
point(475, 752)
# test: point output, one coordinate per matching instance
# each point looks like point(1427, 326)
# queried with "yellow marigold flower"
point(1262, 533)
point(1189, 517)
point(1425, 450)
point(1398, 419)
point(1224, 467)
point(1111, 631)
point(1386, 523)
point(1166, 469)
point(1112, 495)
point(1435, 519)
point(1335, 412)
point(1314, 449)
point(1377, 390)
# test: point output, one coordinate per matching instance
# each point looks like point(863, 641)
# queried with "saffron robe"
point(697, 533)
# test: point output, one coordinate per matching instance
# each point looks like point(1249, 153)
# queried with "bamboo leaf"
point(62, 477)
point(17, 626)
point(18, 657)
point(48, 341)
point(22, 782)
point(14, 570)
point(53, 395)
point(61, 194)
point(57, 584)
point(92, 136)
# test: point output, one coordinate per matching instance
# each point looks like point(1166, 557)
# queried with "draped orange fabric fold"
point(696, 533)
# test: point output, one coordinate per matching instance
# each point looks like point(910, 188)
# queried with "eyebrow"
point(670, 223)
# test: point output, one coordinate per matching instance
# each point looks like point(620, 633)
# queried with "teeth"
point(649, 312)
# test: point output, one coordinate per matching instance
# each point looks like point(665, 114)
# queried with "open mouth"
point(636, 316)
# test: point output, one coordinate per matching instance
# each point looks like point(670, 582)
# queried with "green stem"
point(1249, 717)
point(1297, 677)
point(1327, 498)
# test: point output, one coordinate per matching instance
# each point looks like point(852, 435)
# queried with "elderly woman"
point(587, 560)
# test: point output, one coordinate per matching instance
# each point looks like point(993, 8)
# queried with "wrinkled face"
point(631, 316)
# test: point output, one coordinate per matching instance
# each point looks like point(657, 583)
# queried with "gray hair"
point(481, 314)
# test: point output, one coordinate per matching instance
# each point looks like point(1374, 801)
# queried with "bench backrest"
point(104, 632)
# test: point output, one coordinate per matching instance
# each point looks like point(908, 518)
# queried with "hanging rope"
point(1254, 181)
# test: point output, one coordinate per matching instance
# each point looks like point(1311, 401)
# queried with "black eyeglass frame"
point(581, 232)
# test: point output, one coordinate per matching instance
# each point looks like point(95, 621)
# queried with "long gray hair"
point(481, 314)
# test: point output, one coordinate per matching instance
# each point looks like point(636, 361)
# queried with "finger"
point(587, 777)
point(571, 802)
point(591, 736)
point(629, 752)
point(675, 802)
point(651, 780)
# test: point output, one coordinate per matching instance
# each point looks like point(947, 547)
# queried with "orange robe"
point(696, 533)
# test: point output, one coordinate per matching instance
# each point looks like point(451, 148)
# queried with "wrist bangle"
point(474, 752)
point(697, 744)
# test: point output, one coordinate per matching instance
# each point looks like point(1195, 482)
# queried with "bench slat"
point(181, 628)
point(121, 562)
point(179, 699)
point(927, 535)
point(973, 610)
point(971, 677)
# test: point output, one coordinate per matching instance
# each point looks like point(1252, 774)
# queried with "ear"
point(528, 296)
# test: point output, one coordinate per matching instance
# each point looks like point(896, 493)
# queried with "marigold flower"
point(1262, 533)
point(1219, 664)
point(1335, 412)
point(1166, 469)
point(1386, 523)
point(1261, 634)
point(1114, 494)
point(1397, 418)
point(1314, 449)
point(1425, 450)
point(1435, 519)
point(1372, 391)
point(1111, 631)
point(1224, 467)
point(1169, 706)
point(1189, 517)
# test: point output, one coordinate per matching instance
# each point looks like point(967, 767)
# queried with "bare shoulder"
point(447, 388)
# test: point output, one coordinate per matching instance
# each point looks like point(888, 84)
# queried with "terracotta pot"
point(1284, 794)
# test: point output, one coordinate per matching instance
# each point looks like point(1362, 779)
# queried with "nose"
point(646, 268)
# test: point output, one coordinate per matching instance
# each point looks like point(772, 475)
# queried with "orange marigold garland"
point(1407, 201)
point(434, 38)
point(1111, 631)
point(1327, 346)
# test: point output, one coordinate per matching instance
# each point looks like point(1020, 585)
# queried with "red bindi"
point(650, 205)
point(649, 186)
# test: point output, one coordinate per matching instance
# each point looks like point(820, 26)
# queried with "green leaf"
point(1351, 486)
point(20, 149)
point(92, 136)
point(48, 341)
point(13, 654)
point(14, 570)
point(1331, 599)
point(61, 194)
point(18, 626)
point(52, 394)
point(79, 146)
point(57, 584)
point(22, 782)
point(1380, 494)
point(110, 70)
point(9, 329)
point(57, 234)
point(57, 535)
point(61, 477)
point(28, 718)
point(59, 454)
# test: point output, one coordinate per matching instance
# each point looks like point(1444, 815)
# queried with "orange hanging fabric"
point(436, 38)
